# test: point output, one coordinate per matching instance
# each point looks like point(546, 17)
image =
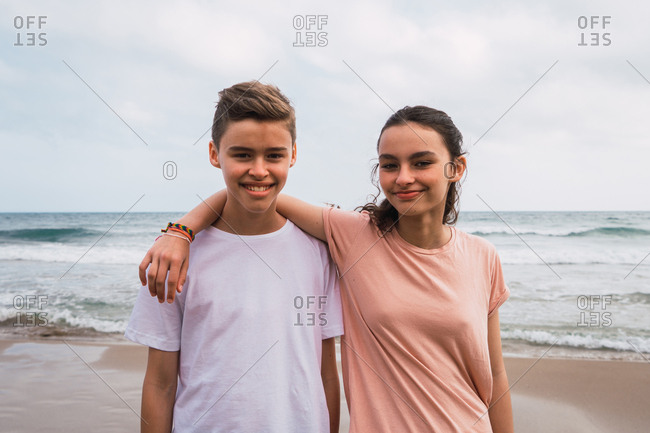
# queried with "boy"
point(240, 349)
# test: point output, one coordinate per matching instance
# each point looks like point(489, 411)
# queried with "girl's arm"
point(500, 405)
point(306, 216)
point(169, 255)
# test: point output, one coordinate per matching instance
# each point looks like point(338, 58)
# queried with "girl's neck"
point(423, 231)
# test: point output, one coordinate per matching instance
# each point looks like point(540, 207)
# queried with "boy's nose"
point(258, 169)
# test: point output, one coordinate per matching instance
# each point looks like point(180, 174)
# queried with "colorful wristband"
point(181, 229)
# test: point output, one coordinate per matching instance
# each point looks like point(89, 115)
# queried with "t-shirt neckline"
point(404, 243)
point(213, 231)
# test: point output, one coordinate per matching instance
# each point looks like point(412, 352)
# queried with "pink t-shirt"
point(415, 351)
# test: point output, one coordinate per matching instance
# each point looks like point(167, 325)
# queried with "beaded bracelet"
point(177, 236)
point(181, 229)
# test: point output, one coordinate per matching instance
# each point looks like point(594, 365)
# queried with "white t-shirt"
point(249, 325)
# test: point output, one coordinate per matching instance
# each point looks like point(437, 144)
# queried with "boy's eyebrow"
point(416, 155)
point(249, 149)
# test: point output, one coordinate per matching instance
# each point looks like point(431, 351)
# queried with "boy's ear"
point(294, 151)
point(214, 155)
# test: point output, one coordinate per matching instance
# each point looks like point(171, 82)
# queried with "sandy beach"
point(74, 386)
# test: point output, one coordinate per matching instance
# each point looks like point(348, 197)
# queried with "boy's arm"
point(159, 391)
point(306, 216)
point(330, 376)
point(500, 404)
point(171, 254)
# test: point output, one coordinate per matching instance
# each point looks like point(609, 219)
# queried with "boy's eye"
point(275, 156)
point(241, 155)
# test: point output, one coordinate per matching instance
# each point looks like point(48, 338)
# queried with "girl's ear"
point(214, 155)
point(454, 170)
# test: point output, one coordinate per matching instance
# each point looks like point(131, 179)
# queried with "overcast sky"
point(555, 116)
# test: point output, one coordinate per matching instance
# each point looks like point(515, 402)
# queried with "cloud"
point(160, 65)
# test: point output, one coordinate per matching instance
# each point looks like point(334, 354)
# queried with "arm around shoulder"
point(306, 216)
point(168, 258)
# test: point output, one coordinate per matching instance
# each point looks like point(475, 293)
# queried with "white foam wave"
point(62, 253)
point(587, 341)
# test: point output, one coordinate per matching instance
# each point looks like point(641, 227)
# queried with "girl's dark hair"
point(384, 215)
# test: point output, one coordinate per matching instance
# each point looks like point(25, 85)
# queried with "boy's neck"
point(237, 220)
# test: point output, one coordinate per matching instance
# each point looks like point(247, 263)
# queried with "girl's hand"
point(167, 259)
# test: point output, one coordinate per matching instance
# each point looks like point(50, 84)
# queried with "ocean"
point(579, 281)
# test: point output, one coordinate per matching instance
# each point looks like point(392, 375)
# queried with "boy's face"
point(255, 157)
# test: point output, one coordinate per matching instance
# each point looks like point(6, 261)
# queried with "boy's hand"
point(168, 254)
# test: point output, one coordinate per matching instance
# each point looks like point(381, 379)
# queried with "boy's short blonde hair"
point(252, 100)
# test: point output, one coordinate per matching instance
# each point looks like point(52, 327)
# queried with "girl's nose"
point(404, 176)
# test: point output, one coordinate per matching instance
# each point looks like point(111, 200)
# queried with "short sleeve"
point(341, 231)
point(156, 325)
point(499, 291)
point(332, 307)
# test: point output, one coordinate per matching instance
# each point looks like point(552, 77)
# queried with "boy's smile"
point(255, 157)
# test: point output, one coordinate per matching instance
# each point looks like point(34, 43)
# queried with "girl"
point(422, 346)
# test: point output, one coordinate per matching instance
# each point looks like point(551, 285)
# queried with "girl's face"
point(415, 170)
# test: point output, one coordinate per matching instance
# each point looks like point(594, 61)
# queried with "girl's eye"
point(423, 164)
point(388, 166)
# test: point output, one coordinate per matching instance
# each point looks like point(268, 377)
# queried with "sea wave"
point(624, 232)
point(611, 231)
point(47, 234)
point(583, 341)
point(62, 322)
point(61, 253)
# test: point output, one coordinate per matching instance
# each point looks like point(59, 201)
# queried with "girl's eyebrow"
point(416, 155)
